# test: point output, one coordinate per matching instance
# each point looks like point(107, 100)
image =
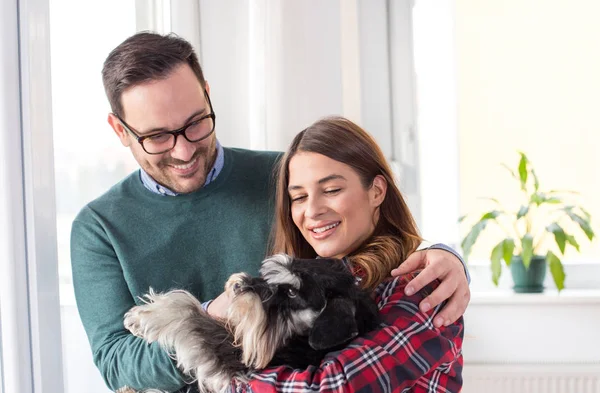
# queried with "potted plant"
point(523, 249)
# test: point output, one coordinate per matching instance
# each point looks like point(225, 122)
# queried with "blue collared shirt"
point(159, 189)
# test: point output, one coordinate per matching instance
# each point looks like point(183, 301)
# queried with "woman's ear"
point(378, 190)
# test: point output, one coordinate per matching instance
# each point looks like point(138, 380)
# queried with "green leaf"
point(583, 224)
point(512, 173)
point(527, 253)
point(461, 218)
point(496, 257)
point(522, 211)
point(491, 215)
point(572, 241)
point(536, 181)
point(563, 192)
point(553, 200)
point(496, 201)
point(509, 248)
point(523, 170)
point(471, 238)
point(585, 213)
point(559, 235)
point(556, 268)
point(539, 198)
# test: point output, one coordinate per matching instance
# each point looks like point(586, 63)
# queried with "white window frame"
point(437, 120)
point(29, 297)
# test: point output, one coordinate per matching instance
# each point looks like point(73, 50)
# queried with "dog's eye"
point(291, 292)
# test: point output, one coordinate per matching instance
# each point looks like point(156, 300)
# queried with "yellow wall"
point(529, 79)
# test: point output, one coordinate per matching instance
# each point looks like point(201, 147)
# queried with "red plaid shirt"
point(405, 354)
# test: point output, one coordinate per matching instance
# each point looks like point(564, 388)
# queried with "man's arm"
point(102, 299)
point(442, 246)
point(439, 262)
point(405, 352)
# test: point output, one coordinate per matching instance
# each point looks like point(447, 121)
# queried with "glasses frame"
point(175, 133)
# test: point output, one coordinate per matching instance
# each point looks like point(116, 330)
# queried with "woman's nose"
point(315, 207)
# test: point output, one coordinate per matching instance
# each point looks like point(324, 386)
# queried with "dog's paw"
point(161, 314)
point(146, 320)
point(133, 321)
point(137, 321)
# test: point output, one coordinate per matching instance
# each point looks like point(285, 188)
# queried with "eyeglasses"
point(195, 131)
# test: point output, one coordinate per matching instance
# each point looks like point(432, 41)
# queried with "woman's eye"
point(298, 198)
point(334, 191)
point(292, 293)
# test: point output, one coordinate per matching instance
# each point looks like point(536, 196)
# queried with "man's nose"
point(183, 150)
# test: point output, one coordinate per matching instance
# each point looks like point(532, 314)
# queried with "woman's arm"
point(405, 352)
point(102, 299)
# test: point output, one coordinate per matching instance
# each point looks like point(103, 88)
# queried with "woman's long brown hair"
point(396, 235)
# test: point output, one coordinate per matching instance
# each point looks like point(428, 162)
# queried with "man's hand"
point(445, 266)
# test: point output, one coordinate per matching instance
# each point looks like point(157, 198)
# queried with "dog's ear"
point(335, 326)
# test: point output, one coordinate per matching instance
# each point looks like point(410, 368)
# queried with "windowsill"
point(579, 277)
point(549, 296)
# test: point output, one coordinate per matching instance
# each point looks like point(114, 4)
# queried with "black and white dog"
point(293, 314)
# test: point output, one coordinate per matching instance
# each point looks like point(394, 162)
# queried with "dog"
point(294, 313)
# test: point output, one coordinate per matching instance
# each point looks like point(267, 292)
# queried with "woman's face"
point(329, 204)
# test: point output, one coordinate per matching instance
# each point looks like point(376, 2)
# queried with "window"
point(532, 87)
point(87, 156)
point(485, 91)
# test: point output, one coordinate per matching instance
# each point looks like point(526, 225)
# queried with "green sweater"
point(130, 240)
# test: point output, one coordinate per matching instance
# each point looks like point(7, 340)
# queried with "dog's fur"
point(293, 314)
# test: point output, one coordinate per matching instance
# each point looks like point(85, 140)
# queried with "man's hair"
point(144, 57)
point(396, 235)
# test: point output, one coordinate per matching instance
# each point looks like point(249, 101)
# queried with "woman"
point(336, 197)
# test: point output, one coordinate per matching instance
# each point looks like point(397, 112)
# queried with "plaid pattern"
point(405, 354)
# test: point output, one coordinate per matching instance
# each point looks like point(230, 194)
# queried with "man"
point(195, 213)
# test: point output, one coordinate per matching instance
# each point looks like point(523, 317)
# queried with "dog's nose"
point(256, 285)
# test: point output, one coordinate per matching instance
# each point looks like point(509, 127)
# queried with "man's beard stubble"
point(201, 151)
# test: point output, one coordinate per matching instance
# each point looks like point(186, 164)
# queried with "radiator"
point(553, 378)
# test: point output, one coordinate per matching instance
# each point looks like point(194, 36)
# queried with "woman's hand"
point(445, 266)
point(218, 307)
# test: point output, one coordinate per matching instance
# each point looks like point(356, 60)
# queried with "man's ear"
point(119, 130)
point(335, 326)
point(378, 190)
point(207, 87)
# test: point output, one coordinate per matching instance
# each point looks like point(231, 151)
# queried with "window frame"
point(30, 324)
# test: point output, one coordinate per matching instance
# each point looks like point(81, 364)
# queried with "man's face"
point(164, 105)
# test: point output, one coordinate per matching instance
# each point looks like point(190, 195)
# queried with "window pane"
point(88, 157)
point(531, 87)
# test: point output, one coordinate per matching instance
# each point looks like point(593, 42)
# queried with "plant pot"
point(528, 280)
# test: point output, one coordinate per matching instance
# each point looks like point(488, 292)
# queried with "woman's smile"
point(323, 231)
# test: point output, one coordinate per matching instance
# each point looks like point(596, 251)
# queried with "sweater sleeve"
point(103, 297)
point(405, 354)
